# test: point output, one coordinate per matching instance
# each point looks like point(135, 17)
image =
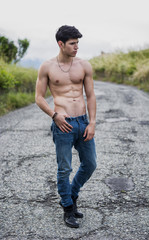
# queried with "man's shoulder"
point(46, 65)
point(48, 62)
point(85, 63)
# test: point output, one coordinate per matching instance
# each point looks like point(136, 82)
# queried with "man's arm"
point(41, 87)
point(91, 102)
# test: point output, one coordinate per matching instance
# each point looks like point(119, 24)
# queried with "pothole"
point(114, 113)
point(120, 184)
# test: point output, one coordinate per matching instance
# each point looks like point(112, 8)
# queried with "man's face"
point(70, 47)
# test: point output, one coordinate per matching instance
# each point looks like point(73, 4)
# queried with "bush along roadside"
point(13, 100)
point(131, 68)
point(17, 86)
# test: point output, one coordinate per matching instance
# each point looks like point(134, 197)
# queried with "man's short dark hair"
point(64, 33)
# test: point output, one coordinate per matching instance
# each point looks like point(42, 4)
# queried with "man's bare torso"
point(67, 87)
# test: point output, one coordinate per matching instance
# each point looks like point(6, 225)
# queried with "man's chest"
point(60, 76)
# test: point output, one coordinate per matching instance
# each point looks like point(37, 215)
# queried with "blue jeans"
point(87, 154)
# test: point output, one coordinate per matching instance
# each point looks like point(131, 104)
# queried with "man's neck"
point(64, 58)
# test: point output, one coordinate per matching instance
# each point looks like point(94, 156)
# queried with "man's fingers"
point(88, 137)
point(66, 116)
point(65, 127)
point(68, 125)
point(85, 133)
point(61, 128)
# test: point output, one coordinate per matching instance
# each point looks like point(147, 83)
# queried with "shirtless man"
point(66, 75)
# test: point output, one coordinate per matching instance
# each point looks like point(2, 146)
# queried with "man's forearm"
point(42, 103)
point(91, 106)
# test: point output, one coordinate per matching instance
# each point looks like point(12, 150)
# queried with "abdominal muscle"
point(72, 106)
point(68, 98)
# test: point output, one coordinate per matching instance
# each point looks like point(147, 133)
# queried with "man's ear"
point(61, 44)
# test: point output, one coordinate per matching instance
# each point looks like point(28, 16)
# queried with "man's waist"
point(80, 117)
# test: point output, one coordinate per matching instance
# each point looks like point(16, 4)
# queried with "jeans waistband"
point(82, 117)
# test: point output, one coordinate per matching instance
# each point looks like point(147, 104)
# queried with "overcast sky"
point(106, 25)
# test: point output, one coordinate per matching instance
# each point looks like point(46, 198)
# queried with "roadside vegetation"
point(17, 86)
point(130, 68)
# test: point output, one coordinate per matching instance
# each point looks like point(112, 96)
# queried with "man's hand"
point(89, 132)
point(61, 122)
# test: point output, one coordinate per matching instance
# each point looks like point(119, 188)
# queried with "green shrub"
point(16, 77)
point(17, 86)
point(131, 68)
point(25, 78)
point(12, 100)
point(17, 100)
point(141, 76)
point(7, 79)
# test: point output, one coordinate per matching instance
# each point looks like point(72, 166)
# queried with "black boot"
point(69, 218)
point(76, 213)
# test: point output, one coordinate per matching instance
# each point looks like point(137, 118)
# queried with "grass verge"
point(130, 69)
point(14, 100)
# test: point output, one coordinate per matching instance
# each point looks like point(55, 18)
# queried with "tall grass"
point(13, 100)
point(17, 86)
point(131, 68)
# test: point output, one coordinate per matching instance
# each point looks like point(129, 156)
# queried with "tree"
point(23, 46)
point(10, 52)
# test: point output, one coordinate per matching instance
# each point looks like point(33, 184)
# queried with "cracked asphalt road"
point(115, 201)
